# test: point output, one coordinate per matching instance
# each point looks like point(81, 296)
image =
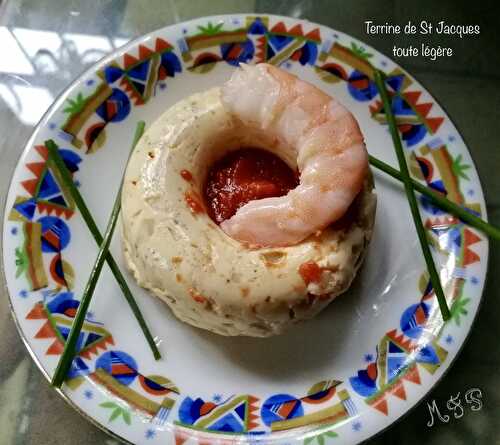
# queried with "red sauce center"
point(245, 175)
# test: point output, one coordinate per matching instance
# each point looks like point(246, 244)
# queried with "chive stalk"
point(103, 255)
point(440, 201)
point(410, 194)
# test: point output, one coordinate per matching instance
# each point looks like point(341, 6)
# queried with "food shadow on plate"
point(309, 346)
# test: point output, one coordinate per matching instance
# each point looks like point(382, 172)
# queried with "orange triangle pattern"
point(180, 438)
point(252, 425)
point(94, 349)
point(144, 52)
point(261, 49)
point(36, 168)
point(55, 348)
point(42, 151)
point(252, 417)
point(46, 331)
point(423, 109)
point(381, 405)
point(279, 28)
point(132, 92)
point(45, 207)
point(413, 376)
point(314, 35)
point(162, 45)
point(412, 96)
point(470, 237)
point(129, 60)
point(434, 123)
point(400, 339)
point(375, 107)
point(470, 257)
point(296, 30)
point(252, 400)
point(30, 185)
point(37, 313)
point(399, 390)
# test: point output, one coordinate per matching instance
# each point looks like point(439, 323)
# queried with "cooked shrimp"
point(327, 142)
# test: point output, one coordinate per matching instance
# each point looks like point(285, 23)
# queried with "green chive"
point(410, 194)
point(104, 254)
point(441, 202)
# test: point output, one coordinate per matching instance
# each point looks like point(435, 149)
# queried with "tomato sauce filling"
point(310, 272)
point(245, 175)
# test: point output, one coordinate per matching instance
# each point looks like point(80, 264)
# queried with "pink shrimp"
point(327, 142)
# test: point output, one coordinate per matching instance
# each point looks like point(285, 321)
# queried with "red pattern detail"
point(400, 340)
point(399, 391)
point(296, 30)
point(279, 28)
point(207, 407)
point(111, 109)
point(55, 348)
point(121, 368)
point(381, 405)
point(404, 128)
point(375, 107)
point(129, 60)
point(53, 272)
point(413, 376)
point(88, 352)
point(37, 313)
point(234, 53)
point(420, 315)
point(261, 49)
point(285, 409)
point(434, 123)
point(252, 400)
point(180, 437)
point(252, 425)
point(423, 109)
point(470, 237)
point(45, 207)
point(42, 151)
point(314, 35)
point(470, 257)
point(134, 95)
point(46, 331)
point(144, 52)
point(162, 45)
point(412, 97)
point(52, 239)
point(371, 369)
point(162, 73)
point(30, 185)
point(360, 84)
point(36, 168)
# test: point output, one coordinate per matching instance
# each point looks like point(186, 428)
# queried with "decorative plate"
point(340, 378)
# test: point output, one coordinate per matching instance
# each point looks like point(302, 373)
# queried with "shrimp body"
point(328, 146)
